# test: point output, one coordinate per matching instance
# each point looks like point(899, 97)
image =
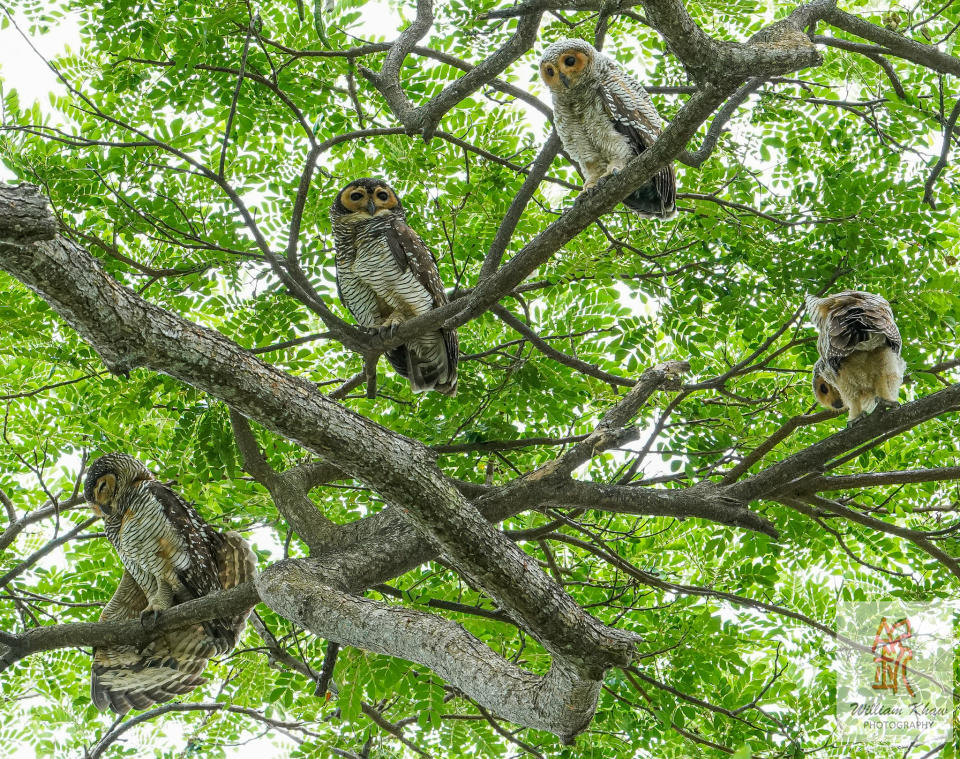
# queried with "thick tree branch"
point(130, 332)
point(25, 215)
point(779, 49)
point(787, 475)
point(221, 604)
point(876, 479)
point(893, 43)
point(561, 702)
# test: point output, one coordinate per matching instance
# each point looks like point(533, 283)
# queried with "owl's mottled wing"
point(135, 677)
point(629, 107)
point(406, 246)
point(851, 319)
point(411, 252)
point(634, 115)
point(236, 563)
point(200, 575)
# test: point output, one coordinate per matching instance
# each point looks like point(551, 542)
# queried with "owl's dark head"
point(826, 394)
point(109, 478)
point(564, 64)
point(364, 199)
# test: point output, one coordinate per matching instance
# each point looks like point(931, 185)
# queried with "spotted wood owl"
point(170, 555)
point(860, 367)
point(604, 118)
point(387, 275)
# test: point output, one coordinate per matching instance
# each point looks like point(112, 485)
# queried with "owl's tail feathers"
point(429, 362)
point(125, 677)
point(237, 564)
point(658, 197)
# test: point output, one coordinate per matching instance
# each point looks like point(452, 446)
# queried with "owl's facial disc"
point(549, 74)
point(355, 199)
point(570, 67)
point(384, 200)
point(370, 201)
point(827, 395)
point(103, 492)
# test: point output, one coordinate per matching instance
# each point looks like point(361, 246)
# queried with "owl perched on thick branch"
point(604, 118)
point(386, 275)
point(170, 555)
point(859, 344)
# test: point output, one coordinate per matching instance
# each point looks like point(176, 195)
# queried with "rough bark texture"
point(25, 215)
point(431, 515)
point(561, 702)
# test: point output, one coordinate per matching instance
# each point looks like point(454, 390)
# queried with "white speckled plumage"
point(604, 118)
point(859, 346)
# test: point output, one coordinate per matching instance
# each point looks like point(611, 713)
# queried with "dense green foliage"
point(834, 164)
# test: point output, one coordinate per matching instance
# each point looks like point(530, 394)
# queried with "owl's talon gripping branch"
point(150, 619)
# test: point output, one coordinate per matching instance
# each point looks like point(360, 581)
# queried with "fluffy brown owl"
point(170, 555)
point(386, 275)
point(604, 118)
point(860, 367)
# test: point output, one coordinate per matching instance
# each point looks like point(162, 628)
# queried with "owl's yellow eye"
point(356, 196)
point(569, 61)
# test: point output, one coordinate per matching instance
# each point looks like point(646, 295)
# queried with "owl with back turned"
point(860, 367)
point(387, 275)
point(169, 555)
point(604, 118)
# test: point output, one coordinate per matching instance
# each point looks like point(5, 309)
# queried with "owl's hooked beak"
point(371, 208)
point(566, 82)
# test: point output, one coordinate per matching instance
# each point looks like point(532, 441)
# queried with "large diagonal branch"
point(587, 208)
point(129, 332)
point(779, 49)
point(772, 51)
point(304, 591)
point(790, 475)
point(561, 702)
point(894, 43)
point(25, 216)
